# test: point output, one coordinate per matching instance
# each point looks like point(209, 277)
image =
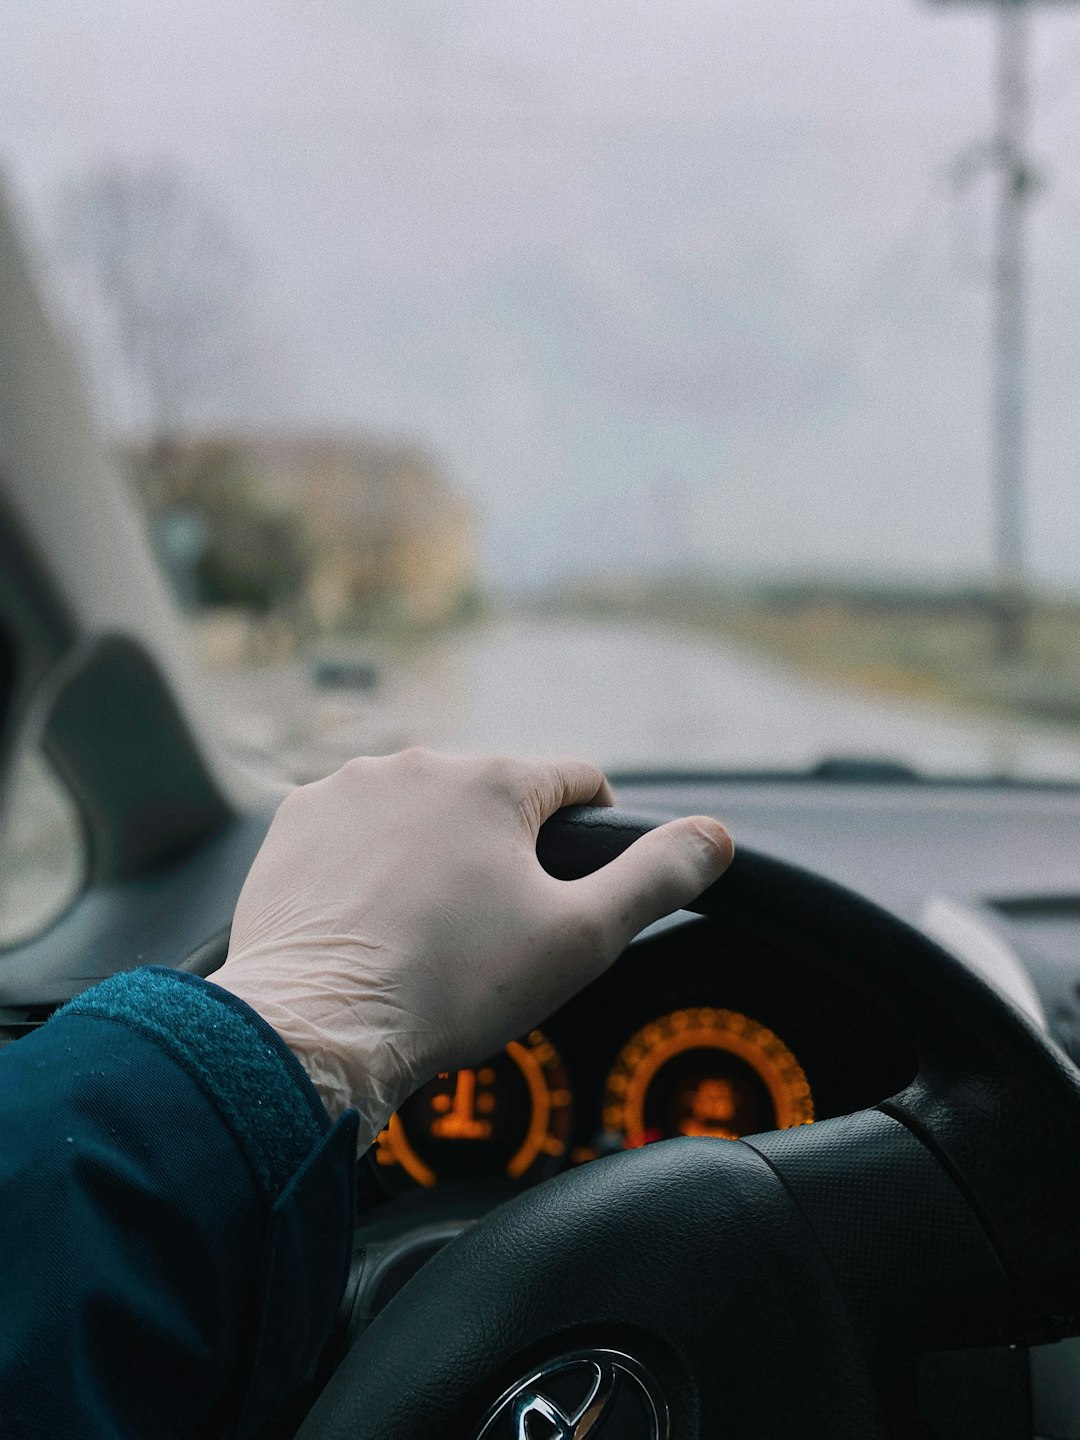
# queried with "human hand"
point(396, 921)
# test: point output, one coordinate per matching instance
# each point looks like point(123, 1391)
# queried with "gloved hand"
point(396, 921)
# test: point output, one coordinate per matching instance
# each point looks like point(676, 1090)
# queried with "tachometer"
point(704, 1071)
point(511, 1116)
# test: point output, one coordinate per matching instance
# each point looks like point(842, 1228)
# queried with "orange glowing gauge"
point(704, 1072)
point(511, 1116)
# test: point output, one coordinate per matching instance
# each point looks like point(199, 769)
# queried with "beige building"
point(390, 539)
point(385, 540)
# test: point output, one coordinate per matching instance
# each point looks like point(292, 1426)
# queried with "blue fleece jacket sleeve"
point(175, 1218)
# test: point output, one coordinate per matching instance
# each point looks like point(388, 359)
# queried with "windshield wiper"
point(862, 770)
point(830, 770)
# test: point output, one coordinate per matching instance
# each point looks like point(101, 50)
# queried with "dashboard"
point(700, 1028)
point(724, 1028)
point(728, 1025)
point(708, 1027)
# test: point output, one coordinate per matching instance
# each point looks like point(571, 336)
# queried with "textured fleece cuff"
point(257, 1083)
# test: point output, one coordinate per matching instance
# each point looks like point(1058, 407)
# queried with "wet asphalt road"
point(626, 695)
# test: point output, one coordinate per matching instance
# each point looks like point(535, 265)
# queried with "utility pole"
point(1009, 159)
point(1010, 328)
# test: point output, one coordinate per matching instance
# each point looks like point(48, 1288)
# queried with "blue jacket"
point(175, 1218)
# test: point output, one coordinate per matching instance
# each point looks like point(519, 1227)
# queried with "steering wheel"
point(780, 1285)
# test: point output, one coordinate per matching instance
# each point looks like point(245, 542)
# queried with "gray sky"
point(653, 280)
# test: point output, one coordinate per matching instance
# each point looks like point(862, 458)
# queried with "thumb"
point(660, 872)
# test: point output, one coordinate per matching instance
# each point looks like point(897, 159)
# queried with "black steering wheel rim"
point(943, 1216)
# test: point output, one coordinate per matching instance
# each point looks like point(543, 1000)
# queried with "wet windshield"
point(681, 385)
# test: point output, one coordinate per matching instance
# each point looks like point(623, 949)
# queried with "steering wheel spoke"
point(911, 1257)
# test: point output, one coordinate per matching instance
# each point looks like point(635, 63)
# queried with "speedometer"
point(509, 1117)
point(704, 1071)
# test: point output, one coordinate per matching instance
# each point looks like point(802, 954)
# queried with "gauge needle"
point(460, 1123)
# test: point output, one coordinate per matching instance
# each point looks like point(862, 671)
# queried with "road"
point(628, 695)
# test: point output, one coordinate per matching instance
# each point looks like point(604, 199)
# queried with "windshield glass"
point(680, 385)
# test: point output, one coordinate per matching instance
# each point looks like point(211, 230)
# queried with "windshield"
point(681, 385)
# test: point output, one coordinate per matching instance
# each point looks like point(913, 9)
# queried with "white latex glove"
point(396, 921)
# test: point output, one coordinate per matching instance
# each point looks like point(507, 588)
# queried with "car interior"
point(888, 971)
point(806, 1161)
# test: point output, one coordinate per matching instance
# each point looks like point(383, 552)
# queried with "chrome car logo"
point(571, 1397)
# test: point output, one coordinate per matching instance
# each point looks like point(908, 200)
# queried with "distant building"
point(391, 540)
point(379, 536)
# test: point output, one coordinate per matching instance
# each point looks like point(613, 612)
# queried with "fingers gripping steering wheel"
point(781, 1285)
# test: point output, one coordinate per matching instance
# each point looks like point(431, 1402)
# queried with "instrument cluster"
point(694, 1032)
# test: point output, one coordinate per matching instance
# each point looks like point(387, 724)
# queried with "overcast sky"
point(652, 280)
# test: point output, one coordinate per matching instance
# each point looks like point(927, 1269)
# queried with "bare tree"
point(160, 293)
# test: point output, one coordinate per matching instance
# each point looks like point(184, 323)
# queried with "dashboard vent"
point(17, 1021)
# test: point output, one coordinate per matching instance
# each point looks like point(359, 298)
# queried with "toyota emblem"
point(587, 1392)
